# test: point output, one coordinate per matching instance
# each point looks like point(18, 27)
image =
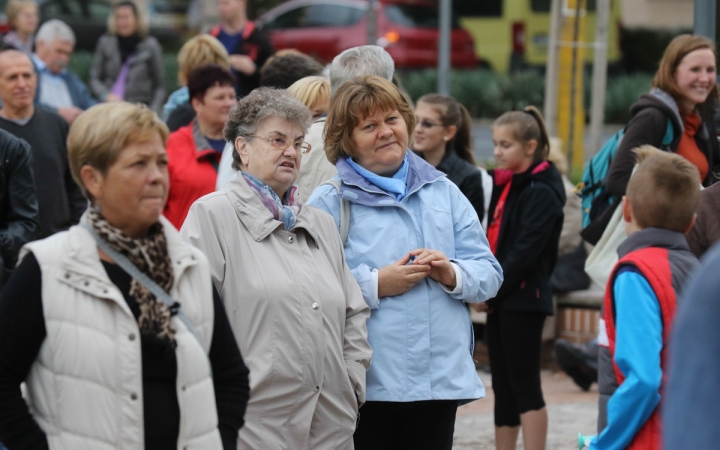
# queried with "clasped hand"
point(400, 276)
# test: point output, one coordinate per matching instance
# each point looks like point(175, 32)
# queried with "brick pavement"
point(570, 411)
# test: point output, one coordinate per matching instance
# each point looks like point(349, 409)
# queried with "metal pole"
point(597, 113)
point(705, 16)
point(372, 23)
point(444, 47)
point(551, 70)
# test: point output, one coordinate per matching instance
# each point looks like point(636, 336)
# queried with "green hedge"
point(487, 94)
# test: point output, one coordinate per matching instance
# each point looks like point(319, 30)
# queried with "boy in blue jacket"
point(641, 299)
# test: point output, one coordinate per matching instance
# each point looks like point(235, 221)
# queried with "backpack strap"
point(344, 210)
point(669, 132)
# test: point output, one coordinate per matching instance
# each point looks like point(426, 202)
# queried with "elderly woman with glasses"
point(415, 246)
point(297, 312)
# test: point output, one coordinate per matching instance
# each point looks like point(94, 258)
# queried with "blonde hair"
point(13, 8)
point(99, 134)
point(142, 25)
point(528, 125)
point(664, 190)
point(201, 51)
point(311, 90)
point(675, 52)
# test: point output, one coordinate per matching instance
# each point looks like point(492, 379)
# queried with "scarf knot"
point(286, 212)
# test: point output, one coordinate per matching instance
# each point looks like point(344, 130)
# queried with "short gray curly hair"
point(260, 104)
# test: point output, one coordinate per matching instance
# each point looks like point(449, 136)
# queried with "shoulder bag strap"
point(145, 280)
point(344, 210)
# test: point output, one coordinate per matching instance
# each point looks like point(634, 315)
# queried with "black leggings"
point(427, 425)
point(514, 344)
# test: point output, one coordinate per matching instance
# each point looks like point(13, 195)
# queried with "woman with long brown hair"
point(442, 138)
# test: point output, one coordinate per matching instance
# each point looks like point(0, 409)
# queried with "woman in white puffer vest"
point(107, 363)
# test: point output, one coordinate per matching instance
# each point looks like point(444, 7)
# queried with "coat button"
point(315, 306)
point(316, 389)
point(290, 239)
point(183, 388)
point(133, 396)
point(67, 275)
point(87, 283)
point(132, 336)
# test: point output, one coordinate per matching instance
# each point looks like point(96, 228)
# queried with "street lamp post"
point(444, 47)
point(705, 17)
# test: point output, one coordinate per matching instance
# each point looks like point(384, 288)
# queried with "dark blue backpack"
point(595, 198)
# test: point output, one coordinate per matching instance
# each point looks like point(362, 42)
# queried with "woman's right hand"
point(399, 277)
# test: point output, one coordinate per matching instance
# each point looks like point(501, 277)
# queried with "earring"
point(97, 208)
point(445, 139)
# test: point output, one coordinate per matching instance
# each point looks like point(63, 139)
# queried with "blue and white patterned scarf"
point(282, 211)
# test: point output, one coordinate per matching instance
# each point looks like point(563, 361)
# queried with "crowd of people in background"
point(284, 255)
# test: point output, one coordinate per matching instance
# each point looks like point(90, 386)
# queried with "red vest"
point(654, 265)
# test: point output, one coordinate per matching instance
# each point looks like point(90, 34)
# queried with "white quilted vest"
point(85, 387)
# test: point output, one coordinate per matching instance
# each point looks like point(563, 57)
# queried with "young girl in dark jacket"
point(526, 217)
point(442, 138)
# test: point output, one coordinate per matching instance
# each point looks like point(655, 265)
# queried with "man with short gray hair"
point(58, 89)
point(315, 168)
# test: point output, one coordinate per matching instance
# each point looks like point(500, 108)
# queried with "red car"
point(407, 29)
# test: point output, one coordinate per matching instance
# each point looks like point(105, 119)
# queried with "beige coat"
point(298, 316)
point(315, 168)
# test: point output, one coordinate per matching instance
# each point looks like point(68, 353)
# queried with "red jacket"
point(193, 171)
point(654, 265)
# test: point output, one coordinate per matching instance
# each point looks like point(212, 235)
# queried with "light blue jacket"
point(422, 340)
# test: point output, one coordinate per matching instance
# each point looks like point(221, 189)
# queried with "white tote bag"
point(603, 257)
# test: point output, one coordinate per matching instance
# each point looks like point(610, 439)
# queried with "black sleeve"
point(230, 377)
point(648, 127)
point(76, 200)
point(21, 217)
point(543, 209)
point(22, 332)
point(472, 187)
point(180, 117)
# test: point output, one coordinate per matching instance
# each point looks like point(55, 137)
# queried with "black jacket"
point(19, 210)
point(647, 127)
point(255, 45)
point(527, 246)
point(466, 177)
point(180, 117)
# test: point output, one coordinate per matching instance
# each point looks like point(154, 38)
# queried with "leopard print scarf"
point(150, 255)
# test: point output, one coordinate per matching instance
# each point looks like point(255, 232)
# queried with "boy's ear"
point(627, 209)
point(691, 224)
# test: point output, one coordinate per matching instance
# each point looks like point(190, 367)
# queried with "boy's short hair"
point(663, 190)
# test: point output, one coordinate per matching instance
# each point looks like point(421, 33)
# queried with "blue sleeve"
point(638, 343)
point(482, 273)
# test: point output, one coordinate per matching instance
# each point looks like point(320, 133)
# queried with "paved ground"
point(570, 410)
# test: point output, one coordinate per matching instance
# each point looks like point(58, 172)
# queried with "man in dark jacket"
point(18, 203)
point(58, 89)
point(60, 201)
point(248, 47)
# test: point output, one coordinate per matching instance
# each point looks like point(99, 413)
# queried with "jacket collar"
point(82, 261)
point(653, 237)
point(202, 145)
point(358, 190)
point(255, 216)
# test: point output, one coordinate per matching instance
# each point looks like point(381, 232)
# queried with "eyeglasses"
point(282, 143)
point(428, 124)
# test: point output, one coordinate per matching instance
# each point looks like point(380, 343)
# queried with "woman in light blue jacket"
point(416, 248)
